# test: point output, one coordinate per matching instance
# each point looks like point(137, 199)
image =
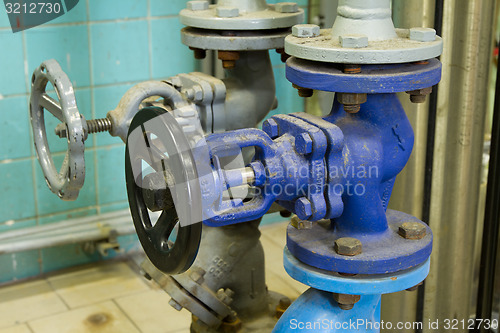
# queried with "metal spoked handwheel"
point(161, 176)
point(67, 181)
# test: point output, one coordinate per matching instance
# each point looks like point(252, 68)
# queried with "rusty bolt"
point(304, 143)
point(300, 224)
point(228, 58)
point(423, 34)
point(352, 69)
point(415, 287)
point(351, 101)
point(199, 53)
point(419, 95)
point(284, 55)
point(346, 302)
point(303, 92)
point(286, 7)
point(285, 213)
point(173, 303)
point(283, 305)
point(197, 5)
point(227, 11)
point(412, 230)
point(348, 246)
point(231, 324)
point(305, 30)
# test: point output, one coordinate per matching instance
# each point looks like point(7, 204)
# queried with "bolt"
point(412, 230)
point(352, 69)
point(197, 5)
point(286, 7)
point(93, 126)
point(147, 276)
point(271, 128)
point(173, 303)
point(353, 41)
point(231, 324)
point(283, 305)
point(227, 12)
point(300, 224)
point(199, 53)
point(348, 246)
point(228, 58)
point(225, 296)
point(423, 34)
point(415, 287)
point(303, 208)
point(303, 92)
point(351, 101)
point(304, 143)
point(305, 30)
point(419, 95)
point(346, 302)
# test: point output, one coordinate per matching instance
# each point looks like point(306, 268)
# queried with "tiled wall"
point(105, 47)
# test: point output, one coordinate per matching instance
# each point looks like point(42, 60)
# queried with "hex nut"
point(346, 302)
point(305, 30)
point(423, 34)
point(227, 12)
point(197, 275)
point(304, 143)
point(419, 95)
point(412, 230)
point(303, 208)
point(286, 7)
point(155, 191)
point(197, 5)
point(348, 246)
point(303, 92)
point(283, 305)
point(353, 41)
point(271, 128)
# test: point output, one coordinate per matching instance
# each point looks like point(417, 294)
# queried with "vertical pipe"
point(409, 190)
point(491, 220)
point(468, 36)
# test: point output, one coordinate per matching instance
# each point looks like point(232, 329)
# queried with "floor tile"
point(16, 329)
point(97, 284)
point(27, 301)
point(151, 312)
point(104, 317)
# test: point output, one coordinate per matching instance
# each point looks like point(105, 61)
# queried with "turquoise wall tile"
point(4, 19)
point(49, 203)
point(67, 215)
point(105, 99)
point(66, 44)
point(170, 56)
point(20, 265)
point(120, 52)
point(76, 15)
point(111, 174)
point(12, 57)
point(16, 190)
point(273, 218)
point(106, 208)
point(166, 8)
point(100, 10)
point(57, 144)
point(15, 141)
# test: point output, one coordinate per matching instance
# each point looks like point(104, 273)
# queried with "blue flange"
point(361, 284)
point(373, 79)
point(382, 252)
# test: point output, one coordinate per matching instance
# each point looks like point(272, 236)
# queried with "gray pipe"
point(251, 91)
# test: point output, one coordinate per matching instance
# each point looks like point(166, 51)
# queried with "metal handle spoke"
point(51, 105)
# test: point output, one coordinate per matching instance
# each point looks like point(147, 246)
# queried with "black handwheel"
point(158, 159)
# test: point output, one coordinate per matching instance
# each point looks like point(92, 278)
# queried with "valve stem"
point(93, 126)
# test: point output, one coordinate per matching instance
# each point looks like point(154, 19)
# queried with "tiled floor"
point(114, 297)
